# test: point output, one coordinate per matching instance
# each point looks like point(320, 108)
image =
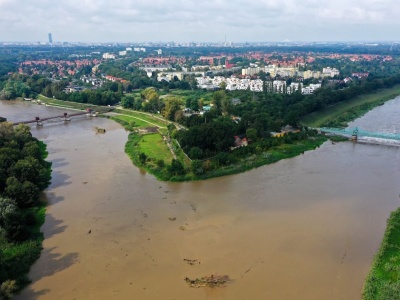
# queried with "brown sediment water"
point(303, 228)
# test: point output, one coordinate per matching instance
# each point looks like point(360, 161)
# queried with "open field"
point(146, 117)
point(316, 119)
point(154, 147)
point(138, 122)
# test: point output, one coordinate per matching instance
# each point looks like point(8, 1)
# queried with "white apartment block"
point(330, 72)
point(278, 86)
point(232, 83)
point(308, 90)
point(169, 76)
point(286, 72)
point(139, 49)
point(309, 74)
point(122, 53)
point(251, 71)
point(108, 56)
point(294, 87)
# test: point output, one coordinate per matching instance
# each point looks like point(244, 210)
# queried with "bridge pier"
point(38, 121)
point(65, 118)
point(354, 136)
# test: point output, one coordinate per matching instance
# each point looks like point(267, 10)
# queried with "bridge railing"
point(360, 133)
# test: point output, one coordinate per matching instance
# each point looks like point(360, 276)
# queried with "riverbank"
point(383, 281)
point(150, 152)
point(21, 212)
point(339, 114)
point(71, 105)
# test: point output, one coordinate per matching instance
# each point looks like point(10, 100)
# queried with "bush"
point(176, 168)
point(161, 163)
point(142, 158)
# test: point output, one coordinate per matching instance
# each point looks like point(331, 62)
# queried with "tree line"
point(23, 175)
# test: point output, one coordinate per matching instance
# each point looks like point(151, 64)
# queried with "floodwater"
point(303, 228)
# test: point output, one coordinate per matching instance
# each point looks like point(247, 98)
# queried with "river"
point(302, 228)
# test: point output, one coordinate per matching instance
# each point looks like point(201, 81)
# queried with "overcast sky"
point(200, 20)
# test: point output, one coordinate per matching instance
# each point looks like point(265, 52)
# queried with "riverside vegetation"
point(383, 281)
point(24, 173)
point(339, 114)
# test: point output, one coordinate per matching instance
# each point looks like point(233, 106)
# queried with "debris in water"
point(100, 130)
point(182, 228)
point(172, 219)
point(208, 281)
point(192, 261)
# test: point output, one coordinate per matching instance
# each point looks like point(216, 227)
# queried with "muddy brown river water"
point(303, 228)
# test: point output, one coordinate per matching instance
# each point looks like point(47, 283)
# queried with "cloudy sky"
point(200, 20)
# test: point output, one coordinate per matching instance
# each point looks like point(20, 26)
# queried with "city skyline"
point(207, 21)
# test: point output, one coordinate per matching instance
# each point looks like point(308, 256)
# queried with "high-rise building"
point(50, 38)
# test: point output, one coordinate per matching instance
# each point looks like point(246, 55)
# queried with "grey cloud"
point(126, 20)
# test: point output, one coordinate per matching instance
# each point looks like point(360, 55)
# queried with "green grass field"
point(153, 120)
point(155, 148)
point(318, 118)
point(138, 123)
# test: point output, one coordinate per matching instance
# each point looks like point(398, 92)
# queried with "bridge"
point(356, 133)
point(64, 117)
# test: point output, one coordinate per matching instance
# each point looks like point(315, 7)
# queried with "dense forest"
point(260, 114)
point(23, 175)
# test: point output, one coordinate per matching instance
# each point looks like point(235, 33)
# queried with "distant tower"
point(50, 38)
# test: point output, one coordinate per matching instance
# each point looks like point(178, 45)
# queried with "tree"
point(8, 212)
point(176, 168)
point(142, 158)
point(26, 169)
point(127, 102)
point(292, 118)
point(252, 134)
point(195, 153)
point(11, 221)
point(218, 97)
point(7, 289)
point(26, 194)
point(161, 163)
point(197, 167)
point(226, 105)
point(172, 105)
